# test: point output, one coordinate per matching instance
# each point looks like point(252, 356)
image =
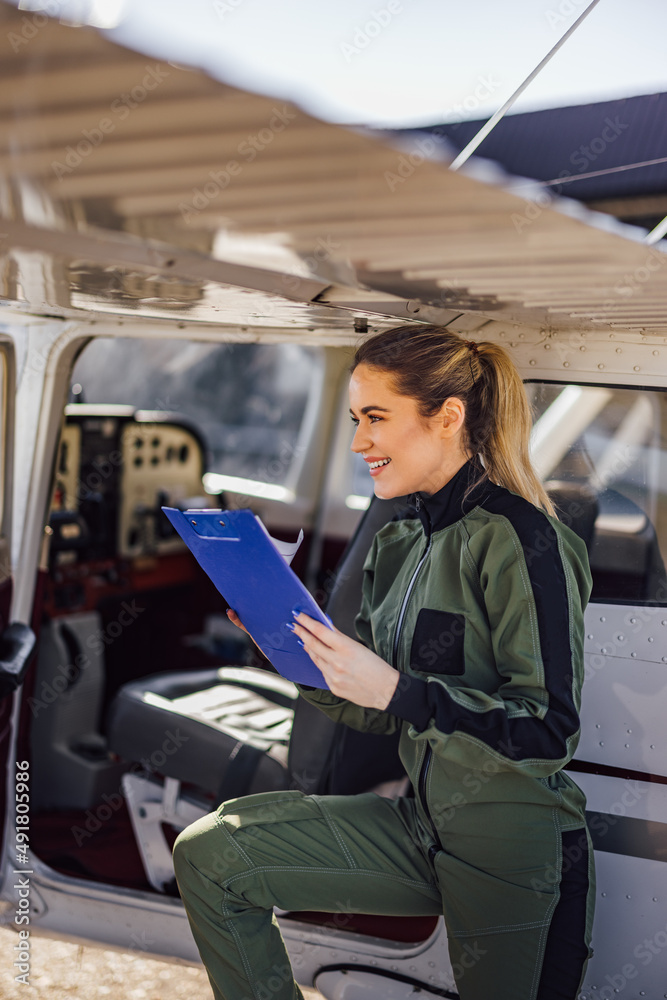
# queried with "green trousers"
point(344, 854)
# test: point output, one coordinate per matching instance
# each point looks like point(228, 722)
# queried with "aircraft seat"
point(206, 736)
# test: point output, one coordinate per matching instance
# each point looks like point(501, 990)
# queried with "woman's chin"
point(385, 492)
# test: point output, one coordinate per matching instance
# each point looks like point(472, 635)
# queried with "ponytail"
point(505, 445)
point(431, 364)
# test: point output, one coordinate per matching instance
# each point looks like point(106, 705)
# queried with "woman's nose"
point(360, 441)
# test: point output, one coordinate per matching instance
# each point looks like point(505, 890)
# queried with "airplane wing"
point(141, 188)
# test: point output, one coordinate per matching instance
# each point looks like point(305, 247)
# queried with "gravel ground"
point(64, 971)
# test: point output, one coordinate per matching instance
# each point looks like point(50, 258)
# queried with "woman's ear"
point(452, 416)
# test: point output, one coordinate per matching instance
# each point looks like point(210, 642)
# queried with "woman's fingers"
point(234, 618)
point(329, 637)
point(350, 669)
point(323, 643)
point(320, 642)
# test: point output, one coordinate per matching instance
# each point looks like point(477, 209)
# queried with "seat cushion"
point(226, 731)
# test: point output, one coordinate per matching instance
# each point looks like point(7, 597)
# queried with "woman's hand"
point(351, 670)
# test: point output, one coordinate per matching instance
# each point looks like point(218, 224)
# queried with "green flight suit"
point(477, 598)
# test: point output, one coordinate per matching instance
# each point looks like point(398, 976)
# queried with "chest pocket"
point(437, 643)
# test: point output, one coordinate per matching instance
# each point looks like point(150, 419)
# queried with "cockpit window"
point(248, 401)
point(602, 453)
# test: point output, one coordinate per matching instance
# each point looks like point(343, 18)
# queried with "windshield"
point(247, 400)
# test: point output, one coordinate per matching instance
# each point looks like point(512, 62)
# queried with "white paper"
point(287, 549)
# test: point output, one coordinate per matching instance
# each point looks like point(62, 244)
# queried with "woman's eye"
point(371, 417)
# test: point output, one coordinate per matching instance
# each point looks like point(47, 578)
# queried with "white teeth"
point(376, 465)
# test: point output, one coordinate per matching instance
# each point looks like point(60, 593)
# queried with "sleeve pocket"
point(437, 643)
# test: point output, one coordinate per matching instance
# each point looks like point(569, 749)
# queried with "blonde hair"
point(431, 364)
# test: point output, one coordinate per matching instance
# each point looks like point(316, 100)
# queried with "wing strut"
point(468, 150)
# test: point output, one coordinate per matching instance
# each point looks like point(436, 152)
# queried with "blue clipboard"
point(241, 560)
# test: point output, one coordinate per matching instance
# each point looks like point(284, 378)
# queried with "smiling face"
point(405, 452)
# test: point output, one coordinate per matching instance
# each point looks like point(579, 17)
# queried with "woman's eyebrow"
point(367, 409)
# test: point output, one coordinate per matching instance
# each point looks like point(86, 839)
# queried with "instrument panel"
point(115, 468)
point(162, 464)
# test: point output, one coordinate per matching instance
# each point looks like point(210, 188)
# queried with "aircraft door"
point(17, 640)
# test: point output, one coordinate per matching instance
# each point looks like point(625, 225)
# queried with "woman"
point(471, 629)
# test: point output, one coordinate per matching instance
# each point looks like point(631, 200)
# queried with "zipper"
point(423, 773)
point(406, 598)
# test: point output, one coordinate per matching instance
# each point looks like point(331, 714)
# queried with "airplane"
point(185, 269)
